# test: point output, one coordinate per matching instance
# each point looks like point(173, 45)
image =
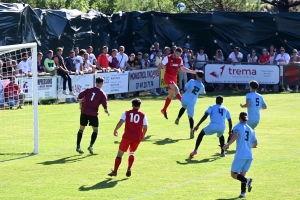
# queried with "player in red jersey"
point(172, 63)
point(90, 100)
point(136, 126)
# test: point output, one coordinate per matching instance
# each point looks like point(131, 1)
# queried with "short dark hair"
point(114, 50)
point(39, 53)
point(82, 51)
point(200, 74)
point(104, 47)
point(75, 48)
point(254, 84)
point(136, 102)
point(59, 49)
point(237, 48)
point(244, 116)
point(178, 49)
point(139, 53)
point(219, 99)
point(50, 51)
point(90, 47)
point(24, 54)
point(72, 51)
point(99, 79)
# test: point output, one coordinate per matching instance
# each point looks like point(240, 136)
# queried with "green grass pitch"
point(162, 169)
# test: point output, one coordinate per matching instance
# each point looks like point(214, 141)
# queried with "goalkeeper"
point(90, 100)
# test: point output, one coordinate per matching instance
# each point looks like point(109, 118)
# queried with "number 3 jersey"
point(256, 103)
point(218, 114)
point(134, 122)
point(92, 98)
point(193, 89)
point(244, 141)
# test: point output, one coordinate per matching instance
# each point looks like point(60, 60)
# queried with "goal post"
point(28, 116)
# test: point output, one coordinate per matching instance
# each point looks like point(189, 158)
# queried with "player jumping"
point(172, 62)
point(90, 100)
point(254, 103)
point(189, 99)
point(136, 126)
point(218, 114)
point(245, 139)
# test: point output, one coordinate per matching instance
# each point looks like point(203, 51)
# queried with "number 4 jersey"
point(134, 122)
point(193, 89)
point(218, 114)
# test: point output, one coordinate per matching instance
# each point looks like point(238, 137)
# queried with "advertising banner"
point(228, 73)
point(114, 82)
point(140, 80)
point(291, 74)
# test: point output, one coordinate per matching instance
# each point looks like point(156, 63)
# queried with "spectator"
point(130, 63)
point(13, 94)
point(173, 49)
point(167, 51)
point(182, 76)
point(138, 61)
point(122, 58)
point(158, 60)
point(7, 68)
point(40, 64)
point(264, 59)
point(1, 71)
point(103, 59)
point(272, 54)
point(113, 61)
point(219, 56)
point(49, 63)
point(201, 59)
point(283, 59)
point(156, 46)
point(1, 95)
point(88, 67)
point(24, 67)
point(78, 61)
point(145, 62)
point(252, 58)
point(92, 57)
point(295, 58)
point(153, 57)
point(236, 56)
point(69, 61)
point(63, 72)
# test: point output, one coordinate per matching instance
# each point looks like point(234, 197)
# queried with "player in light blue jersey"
point(245, 139)
point(189, 99)
point(218, 115)
point(254, 103)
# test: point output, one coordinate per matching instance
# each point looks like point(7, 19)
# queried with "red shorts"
point(125, 143)
point(170, 79)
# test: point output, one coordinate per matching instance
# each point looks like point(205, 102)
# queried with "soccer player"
point(218, 113)
point(136, 126)
point(245, 139)
point(172, 62)
point(189, 99)
point(90, 100)
point(254, 103)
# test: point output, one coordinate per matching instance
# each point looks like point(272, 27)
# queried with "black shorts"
point(92, 120)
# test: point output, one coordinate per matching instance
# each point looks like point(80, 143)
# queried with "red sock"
point(178, 96)
point(167, 103)
point(117, 163)
point(130, 161)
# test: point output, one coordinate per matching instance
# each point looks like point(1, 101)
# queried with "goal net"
point(18, 108)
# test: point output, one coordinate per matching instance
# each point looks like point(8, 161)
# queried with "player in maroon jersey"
point(136, 126)
point(90, 100)
point(172, 62)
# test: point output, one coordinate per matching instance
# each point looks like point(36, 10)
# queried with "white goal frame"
point(33, 46)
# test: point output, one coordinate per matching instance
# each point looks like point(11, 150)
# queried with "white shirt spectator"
point(166, 60)
point(92, 57)
point(122, 59)
point(77, 61)
point(186, 61)
point(285, 57)
point(24, 67)
point(233, 57)
point(87, 65)
point(29, 62)
point(251, 59)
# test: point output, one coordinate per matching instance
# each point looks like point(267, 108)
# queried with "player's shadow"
point(147, 138)
point(193, 161)
point(69, 159)
point(228, 198)
point(107, 183)
point(167, 141)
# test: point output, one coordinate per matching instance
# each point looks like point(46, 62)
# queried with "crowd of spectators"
point(82, 61)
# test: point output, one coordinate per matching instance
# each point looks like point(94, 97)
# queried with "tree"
point(282, 5)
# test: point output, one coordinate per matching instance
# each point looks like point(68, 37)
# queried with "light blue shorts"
point(241, 165)
point(253, 123)
point(189, 107)
point(214, 128)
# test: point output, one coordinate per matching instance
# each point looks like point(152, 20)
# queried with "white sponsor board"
point(114, 82)
point(228, 73)
point(79, 84)
point(47, 87)
point(140, 80)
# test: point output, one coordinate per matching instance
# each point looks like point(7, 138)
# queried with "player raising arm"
point(254, 103)
point(90, 100)
point(172, 62)
point(245, 139)
point(218, 113)
point(136, 126)
point(189, 99)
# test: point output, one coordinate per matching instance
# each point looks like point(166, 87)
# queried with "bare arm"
point(201, 120)
point(264, 107)
point(246, 105)
point(184, 69)
point(160, 66)
point(232, 140)
point(119, 125)
point(145, 128)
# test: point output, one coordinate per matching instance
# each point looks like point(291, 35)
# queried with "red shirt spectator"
point(11, 91)
point(103, 58)
point(264, 58)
